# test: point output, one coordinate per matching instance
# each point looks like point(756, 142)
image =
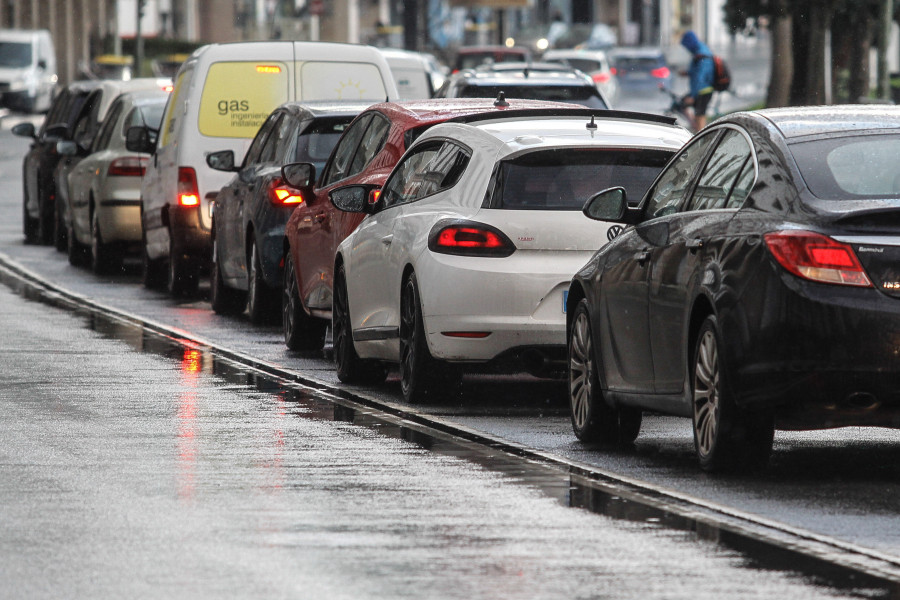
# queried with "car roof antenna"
point(592, 126)
point(501, 102)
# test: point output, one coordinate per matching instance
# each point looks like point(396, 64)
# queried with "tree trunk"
point(862, 27)
point(781, 71)
point(819, 24)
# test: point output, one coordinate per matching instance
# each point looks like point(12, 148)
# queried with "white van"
point(223, 93)
point(27, 69)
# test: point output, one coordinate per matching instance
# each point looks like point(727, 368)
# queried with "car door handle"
point(388, 239)
point(319, 217)
point(694, 244)
point(642, 256)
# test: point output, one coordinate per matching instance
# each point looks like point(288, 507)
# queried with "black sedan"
point(756, 286)
point(252, 209)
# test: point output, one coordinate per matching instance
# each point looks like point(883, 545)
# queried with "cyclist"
point(702, 74)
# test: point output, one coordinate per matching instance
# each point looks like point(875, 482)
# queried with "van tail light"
point(127, 166)
point(468, 238)
point(188, 193)
point(817, 257)
point(661, 72)
point(600, 77)
point(284, 195)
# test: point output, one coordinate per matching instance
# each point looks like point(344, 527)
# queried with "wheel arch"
point(702, 308)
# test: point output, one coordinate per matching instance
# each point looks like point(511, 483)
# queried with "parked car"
point(641, 70)
point(755, 286)
point(223, 93)
point(467, 254)
point(593, 62)
point(469, 57)
point(28, 75)
point(252, 209)
point(104, 188)
point(365, 154)
point(535, 81)
point(79, 143)
point(41, 222)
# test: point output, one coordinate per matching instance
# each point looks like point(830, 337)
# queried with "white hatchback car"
point(466, 255)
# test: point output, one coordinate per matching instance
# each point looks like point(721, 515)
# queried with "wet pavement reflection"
point(137, 463)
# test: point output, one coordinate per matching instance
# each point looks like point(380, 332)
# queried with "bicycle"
point(678, 109)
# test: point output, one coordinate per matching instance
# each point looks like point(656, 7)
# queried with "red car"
point(365, 154)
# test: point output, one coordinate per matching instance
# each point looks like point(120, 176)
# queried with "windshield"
point(564, 179)
point(577, 94)
point(851, 167)
point(15, 54)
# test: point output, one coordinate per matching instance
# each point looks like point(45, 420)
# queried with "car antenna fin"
point(501, 102)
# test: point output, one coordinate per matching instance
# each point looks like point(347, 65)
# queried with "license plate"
point(565, 299)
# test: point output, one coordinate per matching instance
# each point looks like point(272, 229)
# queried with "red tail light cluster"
point(817, 257)
point(468, 238)
point(127, 166)
point(661, 72)
point(188, 192)
point(600, 77)
point(284, 195)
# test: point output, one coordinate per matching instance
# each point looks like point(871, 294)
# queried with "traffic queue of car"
point(744, 277)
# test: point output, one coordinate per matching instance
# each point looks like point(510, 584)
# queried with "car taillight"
point(188, 193)
point(600, 77)
point(467, 238)
point(660, 72)
point(127, 166)
point(613, 70)
point(817, 257)
point(284, 195)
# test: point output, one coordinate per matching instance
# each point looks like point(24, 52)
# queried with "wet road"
point(133, 466)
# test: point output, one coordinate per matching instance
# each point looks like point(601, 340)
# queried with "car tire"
point(59, 231)
point(262, 301)
point(77, 252)
point(183, 273)
point(224, 300)
point(726, 438)
point(47, 217)
point(349, 366)
point(301, 331)
point(593, 419)
point(30, 226)
point(103, 256)
point(422, 377)
point(155, 271)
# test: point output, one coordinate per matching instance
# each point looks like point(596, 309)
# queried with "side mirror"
point(608, 205)
point(355, 198)
point(299, 175)
point(66, 148)
point(24, 130)
point(42, 64)
point(137, 139)
point(223, 160)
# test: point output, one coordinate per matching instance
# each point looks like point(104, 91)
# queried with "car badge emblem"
point(613, 232)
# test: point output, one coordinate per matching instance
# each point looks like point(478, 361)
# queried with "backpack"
point(721, 74)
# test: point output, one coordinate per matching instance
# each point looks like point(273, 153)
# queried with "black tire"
point(59, 231)
point(593, 419)
point(301, 331)
point(224, 300)
point(47, 217)
point(183, 273)
point(263, 302)
point(77, 252)
point(349, 366)
point(422, 377)
point(726, 438)
point(104, 257)
point(155, 271)
point(30, 225)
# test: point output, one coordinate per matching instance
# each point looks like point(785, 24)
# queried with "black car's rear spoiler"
point(518, 113)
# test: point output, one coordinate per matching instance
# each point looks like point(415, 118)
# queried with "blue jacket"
point(702, 71)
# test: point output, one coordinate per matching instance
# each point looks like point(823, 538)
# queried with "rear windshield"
point(584, 95)
point(564, 179)
point(15, 54)
point(851, 167)
point(647, 63)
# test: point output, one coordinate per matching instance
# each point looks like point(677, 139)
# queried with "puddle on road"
point(570, 489)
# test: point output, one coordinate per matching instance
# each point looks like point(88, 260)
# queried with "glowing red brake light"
point(600, 77)
point(660, 72)
point(188, 193)
point(284, 195)
point(613, 70)
point(127, 166)
point(817, 257)
point(466, 238)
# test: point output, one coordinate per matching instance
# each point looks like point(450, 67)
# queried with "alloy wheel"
point(581, 371)
point(707, 403)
